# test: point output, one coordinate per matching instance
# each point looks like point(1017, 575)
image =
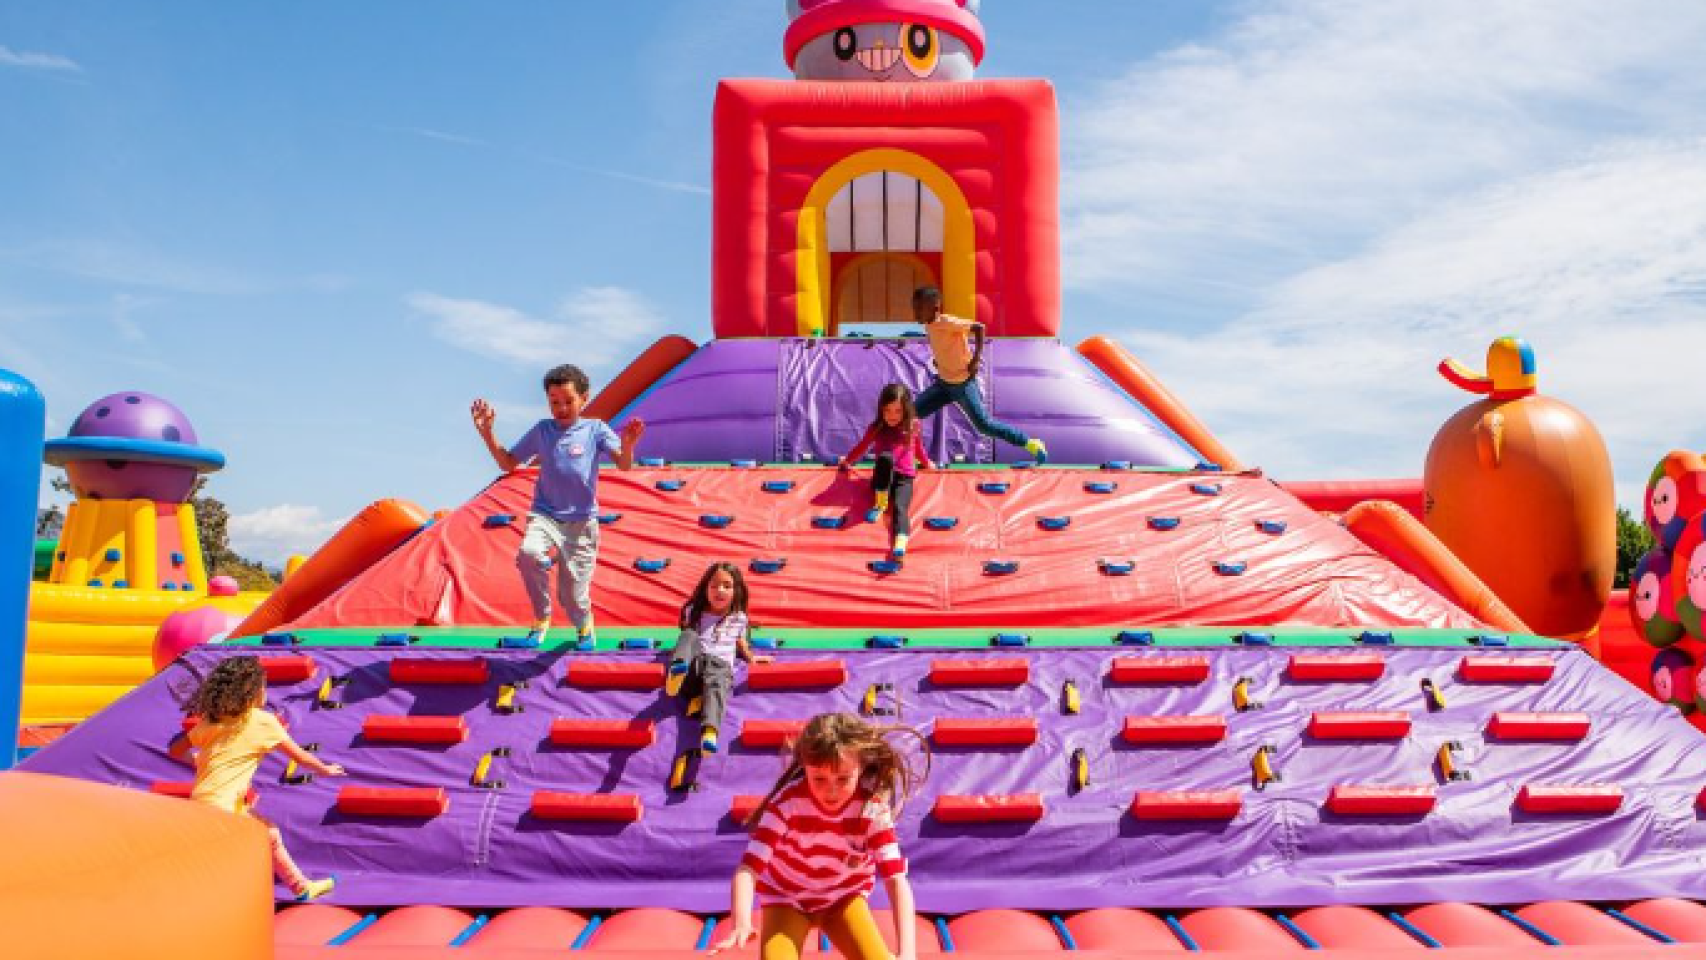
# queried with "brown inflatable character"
point(1519, 487)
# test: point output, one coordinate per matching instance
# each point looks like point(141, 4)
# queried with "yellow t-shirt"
point(228, 755)
point(950, 342)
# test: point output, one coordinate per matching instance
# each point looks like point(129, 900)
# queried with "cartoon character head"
point(1652, 603)
point(1676, 493)
point(904, 41)
point(1674, 678)
point(1688, 577)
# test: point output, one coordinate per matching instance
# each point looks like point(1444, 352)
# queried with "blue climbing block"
point(1271, 527)
point(177, 559)
point(941, 523)
point(885, 566)
point(993, 486)
point(1376, 638)
point(1010, 640)
point(715, 521)
point(527, 642)
point(766, 643)
point(278, 639)
point(886, 641)
point(1000, 567)
point(1100, 486)
point(95, 583)
point(1116, 568)
point(497, 520)
point(1251, 638)
point(637, 643)
point(743, 464)
point(1054, 523)
point(1117, 465)
point(1490, 640)
point(829, 523)
point(168, 586)
point(670, 486)
point(1163, 523)
point(769, 565)
point(1208, 466)
point(1023, 465)
point(1206, 489)
point(778, 486)
point(1230, 568)
point(607, 518)
point(395, 640)
point(651, 461)
point(1135, 638)
point(121, 584)
point(651, 566)
point(112, 554)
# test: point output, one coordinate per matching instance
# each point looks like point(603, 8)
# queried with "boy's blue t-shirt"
point(568, 465)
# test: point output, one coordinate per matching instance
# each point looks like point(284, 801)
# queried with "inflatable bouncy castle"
point(1172, 705)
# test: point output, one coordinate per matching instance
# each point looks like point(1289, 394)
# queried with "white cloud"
point(26, 60)
point(1312, 208)
point(273, 534)
point(1601, 267)
point(124, 307)
point(1311, 124)
point(594, 327)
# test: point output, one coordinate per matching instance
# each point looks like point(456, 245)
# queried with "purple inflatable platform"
point(1087, 850)
point(779, 400)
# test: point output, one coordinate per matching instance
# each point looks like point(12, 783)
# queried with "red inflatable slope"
point(1179, 549)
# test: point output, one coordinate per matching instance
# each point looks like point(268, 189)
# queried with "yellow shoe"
point(899, 550)
point(695, 706)
point(675, 678)
point(536, 633)
point(708, 739)
point(1037, 451)
point(316, 889)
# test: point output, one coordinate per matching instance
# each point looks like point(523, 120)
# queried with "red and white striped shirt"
point(811, 859)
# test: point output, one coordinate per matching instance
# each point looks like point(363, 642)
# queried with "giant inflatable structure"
point(1173, 706)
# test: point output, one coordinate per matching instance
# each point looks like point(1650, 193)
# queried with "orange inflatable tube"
point(1393, 532)
point(373, 533)
point(1339, 496)
point(647, 369)
point(93, 870)
point(1134, 378)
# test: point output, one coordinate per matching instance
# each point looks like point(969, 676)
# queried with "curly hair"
point(885, 770)
point(229, 690)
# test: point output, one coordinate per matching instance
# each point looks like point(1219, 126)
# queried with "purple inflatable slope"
point(777, 400)
point(1282, 848)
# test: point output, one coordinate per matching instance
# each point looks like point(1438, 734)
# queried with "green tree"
point(1633, 542)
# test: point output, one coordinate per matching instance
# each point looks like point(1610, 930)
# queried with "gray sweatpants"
point(707, 677)
point(576, 543)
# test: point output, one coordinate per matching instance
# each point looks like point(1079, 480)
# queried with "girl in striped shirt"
point(714, 632)
point(823, 836)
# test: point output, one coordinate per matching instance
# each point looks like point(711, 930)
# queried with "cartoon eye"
point(1663, 500)
point(846, 43)
point(1696, 577)
point(1647, 597)
point(1662, 683)
point(921, 49)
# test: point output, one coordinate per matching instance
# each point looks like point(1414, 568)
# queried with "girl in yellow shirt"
point(226, 748)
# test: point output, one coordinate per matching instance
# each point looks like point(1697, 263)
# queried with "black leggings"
point(899, 487)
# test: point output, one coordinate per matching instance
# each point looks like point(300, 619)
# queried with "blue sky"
point(322, 228)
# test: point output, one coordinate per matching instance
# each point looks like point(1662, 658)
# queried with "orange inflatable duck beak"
point(1511, 372)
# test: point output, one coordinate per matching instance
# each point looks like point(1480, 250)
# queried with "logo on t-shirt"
point(576, 450)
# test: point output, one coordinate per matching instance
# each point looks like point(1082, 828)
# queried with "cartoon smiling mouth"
point(879, 59)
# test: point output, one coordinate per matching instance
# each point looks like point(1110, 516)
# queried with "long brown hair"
point(701, 600)
point(229, 690)
point(908, 413)
point(885, 770)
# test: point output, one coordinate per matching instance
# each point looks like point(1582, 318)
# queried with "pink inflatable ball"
point(1652, 600)
point(1674, 678)
point(189, 628)
point(223, 586)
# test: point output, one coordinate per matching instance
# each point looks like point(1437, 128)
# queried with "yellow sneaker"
point(695, 706)
point(316, 889)
point(673, 680)
point(899, 549)
point(708, 739)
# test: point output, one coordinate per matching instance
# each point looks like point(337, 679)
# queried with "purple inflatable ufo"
point(132, 446)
